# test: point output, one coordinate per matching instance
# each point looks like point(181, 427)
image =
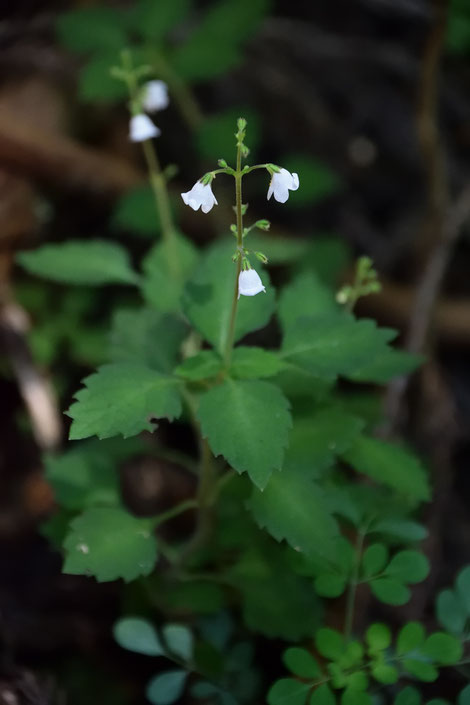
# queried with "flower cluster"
point(154, 97)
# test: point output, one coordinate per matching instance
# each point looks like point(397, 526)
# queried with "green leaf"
point(204, 365)
point(136, 211)
point(388, 364)
point(423, 671)
point(248, 423)
point(97, 84)
point(142, 335)
point(306, 295)
point(408, 566)
point(462, 585)
point(384, 673)
point(351, 696)
point(301, 663)
point(121, 399)
point(411, 637)
point(390, 591)
point(357, 681)
point(214, 138)
point(167, 687)
point(318, 181)
point(399, 528)
point(138, 635)
point(330, 585)
point(316, 439)
point(214, 47)
point(250, 363)
point(464, 696)
point(293, 508)
point(208, 299)
point(154, 19)
point(288, 691)
point(83, 476)
point(329, 643)
point(179, 640)
point(374, 559)
point(331, 345)
point(92, 28)
point(322, 695)
point(391, 465)
point(442, 648)
point(166, 268)
point(109, 543)
point(450, 611)
point(379, 637)
point(91, 262)
point(408, 696)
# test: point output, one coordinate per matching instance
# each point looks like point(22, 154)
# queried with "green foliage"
point(166, 687)
point(204, 365)
point(91, 262)
point(109, 543)
point(136, 211)
point(208, 300)
point(166, 267)
point(155, 19)
point(250, 363)
point(138, 635)
point(247, 422)
point(121, 399)
point(92, 28)
point(453, 605)
point(215, 136)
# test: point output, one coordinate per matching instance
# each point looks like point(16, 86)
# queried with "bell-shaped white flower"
point(200, 196)
point(249, 283)
point(155, 96)
point(141, 128)
point(281, 183)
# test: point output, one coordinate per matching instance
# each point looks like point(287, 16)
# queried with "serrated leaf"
point(288, 691)
point(388, 364)
point(90, 262)
point(248, 423)
point(411, 637)
point(408, 566)
point(179, 640)
point(444, 649)
point(307, 296)
point(331, 345)
point(450, 611)
point(323, 695)
point(208, 299)
point(391, 465)
point(166, 269)
point(330, 643)
point(136, 211)
point(379, 637)
point(92, 28)
point(138, 635)
point(301, 663)
point(423, 671)
point(109, 543)
point(121, 399)
point(166, 687)
point(146, 336)
point(374, 559)
point(293, 508)
point(204, 365)
point(390, 591)
point(251, 363)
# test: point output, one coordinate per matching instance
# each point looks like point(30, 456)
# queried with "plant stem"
point(175, 511)
point(238, 206)
point(351, 599)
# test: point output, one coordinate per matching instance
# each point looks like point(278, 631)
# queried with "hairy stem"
point(238, 206)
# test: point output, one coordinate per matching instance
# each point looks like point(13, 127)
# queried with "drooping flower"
point(249, 283)
point(281, 183)
point(155, 96)
point(200, 196)
point(141, 128)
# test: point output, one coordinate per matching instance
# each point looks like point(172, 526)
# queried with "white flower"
point(200, 196)
point(155, 96)
point(281, 183)
point(141, 128)
point(249, 283)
